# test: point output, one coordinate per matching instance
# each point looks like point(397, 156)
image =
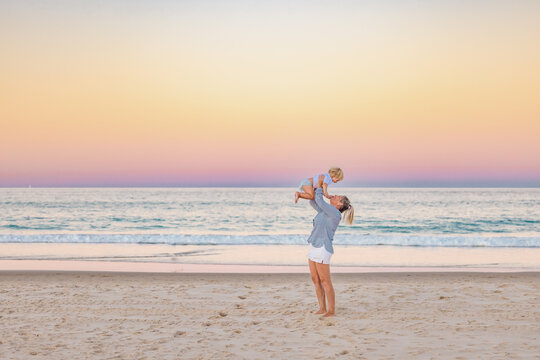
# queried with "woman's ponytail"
point(348, 215)
point(347, 210)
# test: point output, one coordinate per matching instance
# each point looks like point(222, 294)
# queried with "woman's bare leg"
point(318, 287)
point(323, 270)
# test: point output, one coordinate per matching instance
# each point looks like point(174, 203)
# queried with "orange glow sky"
point(153, 93)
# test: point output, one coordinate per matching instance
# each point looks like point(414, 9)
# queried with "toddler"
point(308, 186)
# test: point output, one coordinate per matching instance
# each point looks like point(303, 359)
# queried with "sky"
point(267, 93)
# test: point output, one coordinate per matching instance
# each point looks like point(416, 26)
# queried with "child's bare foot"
point(322, 311)
point(296, 197)
point(330, 313)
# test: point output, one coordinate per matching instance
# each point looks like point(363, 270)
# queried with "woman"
point(325, 224)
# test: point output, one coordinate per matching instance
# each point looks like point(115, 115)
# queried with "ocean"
point(405, 217)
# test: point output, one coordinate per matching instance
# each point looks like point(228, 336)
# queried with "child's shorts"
point(305, 182)
point(319, 255)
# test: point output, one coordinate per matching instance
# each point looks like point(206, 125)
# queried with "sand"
point(93, 315)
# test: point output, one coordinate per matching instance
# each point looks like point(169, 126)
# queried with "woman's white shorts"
point(319, 255)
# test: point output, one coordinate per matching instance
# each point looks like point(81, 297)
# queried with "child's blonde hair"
point(347, 210)
point(337, 172)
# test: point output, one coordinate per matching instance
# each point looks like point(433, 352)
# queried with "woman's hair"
point(337, 172)
point(347, 210)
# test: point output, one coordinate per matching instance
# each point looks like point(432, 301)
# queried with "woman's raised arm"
point(324, 206)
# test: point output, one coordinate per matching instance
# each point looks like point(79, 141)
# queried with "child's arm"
point(320, 182)
point(325, 191)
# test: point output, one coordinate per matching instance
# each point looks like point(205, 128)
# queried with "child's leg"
point(309, 192)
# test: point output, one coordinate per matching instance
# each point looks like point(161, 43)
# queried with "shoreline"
point(70, 266)
point(260, 258)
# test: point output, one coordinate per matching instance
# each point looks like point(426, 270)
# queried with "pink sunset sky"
point(266, 93)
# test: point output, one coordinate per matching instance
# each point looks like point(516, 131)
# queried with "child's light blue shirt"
point(327, 180)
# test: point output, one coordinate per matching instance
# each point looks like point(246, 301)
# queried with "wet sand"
point(277, 255)
point(99, 315)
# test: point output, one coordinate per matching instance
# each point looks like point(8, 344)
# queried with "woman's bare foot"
point(296, 197)
point(322, 311)
point(329, 314)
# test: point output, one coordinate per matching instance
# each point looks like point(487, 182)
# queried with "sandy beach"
point(99, 315)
